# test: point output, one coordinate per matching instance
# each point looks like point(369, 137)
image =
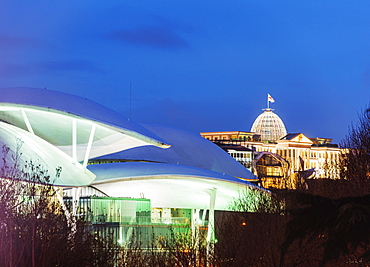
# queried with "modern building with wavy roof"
point(96, 153)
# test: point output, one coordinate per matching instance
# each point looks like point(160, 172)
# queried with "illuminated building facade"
point(240, 153)
point(296, 148)
point(271, 169)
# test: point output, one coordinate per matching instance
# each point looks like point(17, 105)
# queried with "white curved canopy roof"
point(25, 147)
point(64, 120)
point(51, 122)
point(186, 149)
point(167, 185)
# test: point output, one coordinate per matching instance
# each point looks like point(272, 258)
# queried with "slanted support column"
point(26, 121)
point(74, 140)
point(71, 220)
point(76, 194)
point(63, 205)
point(89, 145)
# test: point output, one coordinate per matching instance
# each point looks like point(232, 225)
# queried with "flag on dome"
point(270, 99)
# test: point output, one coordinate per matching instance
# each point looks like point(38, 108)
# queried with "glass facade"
point(118, 210)
point(132, 220)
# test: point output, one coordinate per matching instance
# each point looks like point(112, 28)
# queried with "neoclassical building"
point(268, 134)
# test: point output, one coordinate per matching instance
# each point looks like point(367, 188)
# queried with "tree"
point(252, 199)
point(340, 225)
point(33, 227)
point(254, 238)
point(355, 158)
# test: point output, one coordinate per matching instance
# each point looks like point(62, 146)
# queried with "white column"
point(211, 222)
point(74, 140)
point(26, 121)
point(89, 145)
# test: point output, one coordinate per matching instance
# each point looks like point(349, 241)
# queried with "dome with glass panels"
point(269, 126)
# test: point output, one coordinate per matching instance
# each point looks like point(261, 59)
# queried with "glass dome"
point(269, 126)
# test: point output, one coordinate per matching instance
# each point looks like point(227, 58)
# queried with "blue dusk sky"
point(197, 65)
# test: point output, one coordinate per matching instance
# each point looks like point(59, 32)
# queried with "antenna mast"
point(130, 101)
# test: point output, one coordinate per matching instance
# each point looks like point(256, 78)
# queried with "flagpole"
point(268, 102)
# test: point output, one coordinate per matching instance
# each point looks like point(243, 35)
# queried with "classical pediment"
point(301, 138)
